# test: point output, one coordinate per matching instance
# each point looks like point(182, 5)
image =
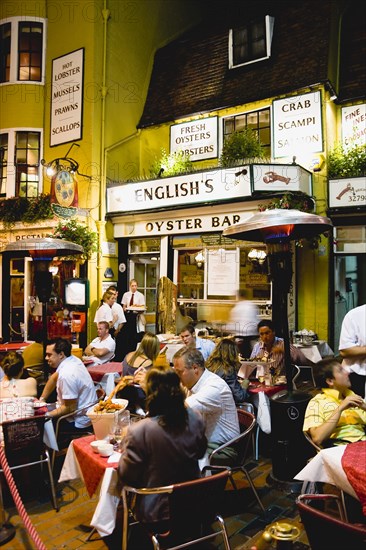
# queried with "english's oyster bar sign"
point(224, 197)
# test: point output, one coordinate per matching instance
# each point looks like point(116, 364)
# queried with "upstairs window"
point(27, 160)
point(22, 50)
point(259, 121)
point(30, 51)
point(5, 39)
point(250, 42)
point(3, 163)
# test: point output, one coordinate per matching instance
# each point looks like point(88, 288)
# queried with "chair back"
point(247, 423)
point(23, 439)
point(326, 531)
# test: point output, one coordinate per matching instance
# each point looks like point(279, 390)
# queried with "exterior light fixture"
point(65, 163)
point(199, 259)
point(257, 256)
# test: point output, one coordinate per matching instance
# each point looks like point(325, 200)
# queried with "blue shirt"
point(205, 346)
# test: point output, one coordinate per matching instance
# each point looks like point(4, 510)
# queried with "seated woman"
point(16, 394)
point(136, 363)
point(224, 361)
point(163, 448)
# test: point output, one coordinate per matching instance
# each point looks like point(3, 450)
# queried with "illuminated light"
point(53, 269)
point(199, 259)
point(277, 232)
point(257, 256)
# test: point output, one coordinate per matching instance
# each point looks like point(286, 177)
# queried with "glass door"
point(145, 269)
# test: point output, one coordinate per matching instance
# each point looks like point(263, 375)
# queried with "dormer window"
point(251, 42)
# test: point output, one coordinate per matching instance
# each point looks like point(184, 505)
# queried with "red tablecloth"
point(13, 346)
point(98, 371)
point(354, 465)
point(268, 390)
point(91, 464)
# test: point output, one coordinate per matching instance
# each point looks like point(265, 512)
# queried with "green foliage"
point(171, 165)
point(297, 201)
point(240, 146)
point(347, 163)
point(77, 233)
point(21, 209)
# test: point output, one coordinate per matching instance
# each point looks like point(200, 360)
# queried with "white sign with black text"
point(297, 125)
point(67, 98)
point(196, 139)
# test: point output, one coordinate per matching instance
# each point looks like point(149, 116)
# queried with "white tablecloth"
point(171, 349)
point(261, 402)
point(104, 517)
point(326, 467)
point(316, 352)
point(107, 382)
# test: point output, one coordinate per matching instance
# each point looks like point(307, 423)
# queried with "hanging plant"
point(22, 209)
point(239, 147)
point(77, 233)
point(347, 163)
point(171, 164)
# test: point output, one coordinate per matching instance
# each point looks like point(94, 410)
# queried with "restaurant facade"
point(185, 90)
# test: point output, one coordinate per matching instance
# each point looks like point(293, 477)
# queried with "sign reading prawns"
point(67, 98)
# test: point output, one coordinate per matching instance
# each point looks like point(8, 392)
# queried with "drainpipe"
point(104, 90)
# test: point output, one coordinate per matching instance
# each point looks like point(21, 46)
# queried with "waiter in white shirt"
point(135, 327)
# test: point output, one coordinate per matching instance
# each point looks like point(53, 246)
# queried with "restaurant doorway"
point(145, 269)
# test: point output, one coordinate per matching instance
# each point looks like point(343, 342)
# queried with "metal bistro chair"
point(24, 447)
point(249, 407)
point(326, 531)
point(201, 497)
point(240, 443)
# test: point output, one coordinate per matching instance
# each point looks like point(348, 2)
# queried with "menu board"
point(223, 272)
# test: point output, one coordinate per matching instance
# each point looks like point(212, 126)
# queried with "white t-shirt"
point(353, 333)
point(103, 313)
point(109, 343)
point(75, 382)
point(117, 308)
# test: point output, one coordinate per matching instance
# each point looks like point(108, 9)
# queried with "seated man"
point(189, 338)
point(209, 395)
point(74, 385)
point(270, 348)
point(336, 414)
point(102, 348)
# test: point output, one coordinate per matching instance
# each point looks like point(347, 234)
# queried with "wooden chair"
point(326, 531)
point(240, 444)
point(24, 447)
point(193, 506)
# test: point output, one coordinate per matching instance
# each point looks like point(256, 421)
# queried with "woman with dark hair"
point(164, 447)
point(12, 385)
point(224, 361)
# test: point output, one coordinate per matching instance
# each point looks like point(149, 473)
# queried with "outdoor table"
point(342, 466)
point(260, 394)
point(13, 346)
point(96, 472)
point(316, 351)
point(106, 374)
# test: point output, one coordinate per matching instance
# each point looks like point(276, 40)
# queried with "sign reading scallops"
point(67, 98)
point(196, 139)
point(297, 125)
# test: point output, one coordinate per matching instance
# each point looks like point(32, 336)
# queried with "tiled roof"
point(191, 74)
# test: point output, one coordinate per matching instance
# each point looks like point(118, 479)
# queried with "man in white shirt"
point(102, 348)
point(352, 347)
point(117, 333)
point(135, 327)
point(189, 339)
point(74, 385)
point(209, 395)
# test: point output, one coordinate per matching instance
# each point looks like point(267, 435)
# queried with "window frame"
point(268, 29)
point(29, 51)
point(14, 48)
point(259, 129)
point(11, 184)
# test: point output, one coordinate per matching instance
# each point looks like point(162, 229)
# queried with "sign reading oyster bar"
point(67, 98)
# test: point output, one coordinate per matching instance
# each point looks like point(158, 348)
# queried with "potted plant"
point(77, 233)
point(239, 147)
point(347, 163)
point(171, 164)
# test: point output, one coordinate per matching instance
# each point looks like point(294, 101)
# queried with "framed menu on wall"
point(222, 272)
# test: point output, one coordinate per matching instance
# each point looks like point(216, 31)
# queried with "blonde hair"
point(224, 357)
point(149, 346)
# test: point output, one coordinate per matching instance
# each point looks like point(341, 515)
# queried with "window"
point(251, 42)
point(30, 51)
point(27, 156)
point(5, 37)
point(3, 163)
point(22, 50)
point(257, 120)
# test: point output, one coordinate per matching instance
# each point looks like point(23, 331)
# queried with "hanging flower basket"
point(78, 233)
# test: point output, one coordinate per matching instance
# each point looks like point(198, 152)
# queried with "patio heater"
point(42, 252)
point(277, 228)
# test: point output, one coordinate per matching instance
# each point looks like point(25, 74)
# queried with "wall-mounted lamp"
point(65, 163)
point(199, 259)
point(257, 256)
point(161, 172)
point(332, 93)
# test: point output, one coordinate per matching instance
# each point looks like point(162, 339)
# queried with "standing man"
point(352, 347)
point(117, 309)
point(243, 321)
point(74, 385)
point(189, 339)
point(133, 303)
point(271, 348)
point(102, 348)
point(209, 395)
